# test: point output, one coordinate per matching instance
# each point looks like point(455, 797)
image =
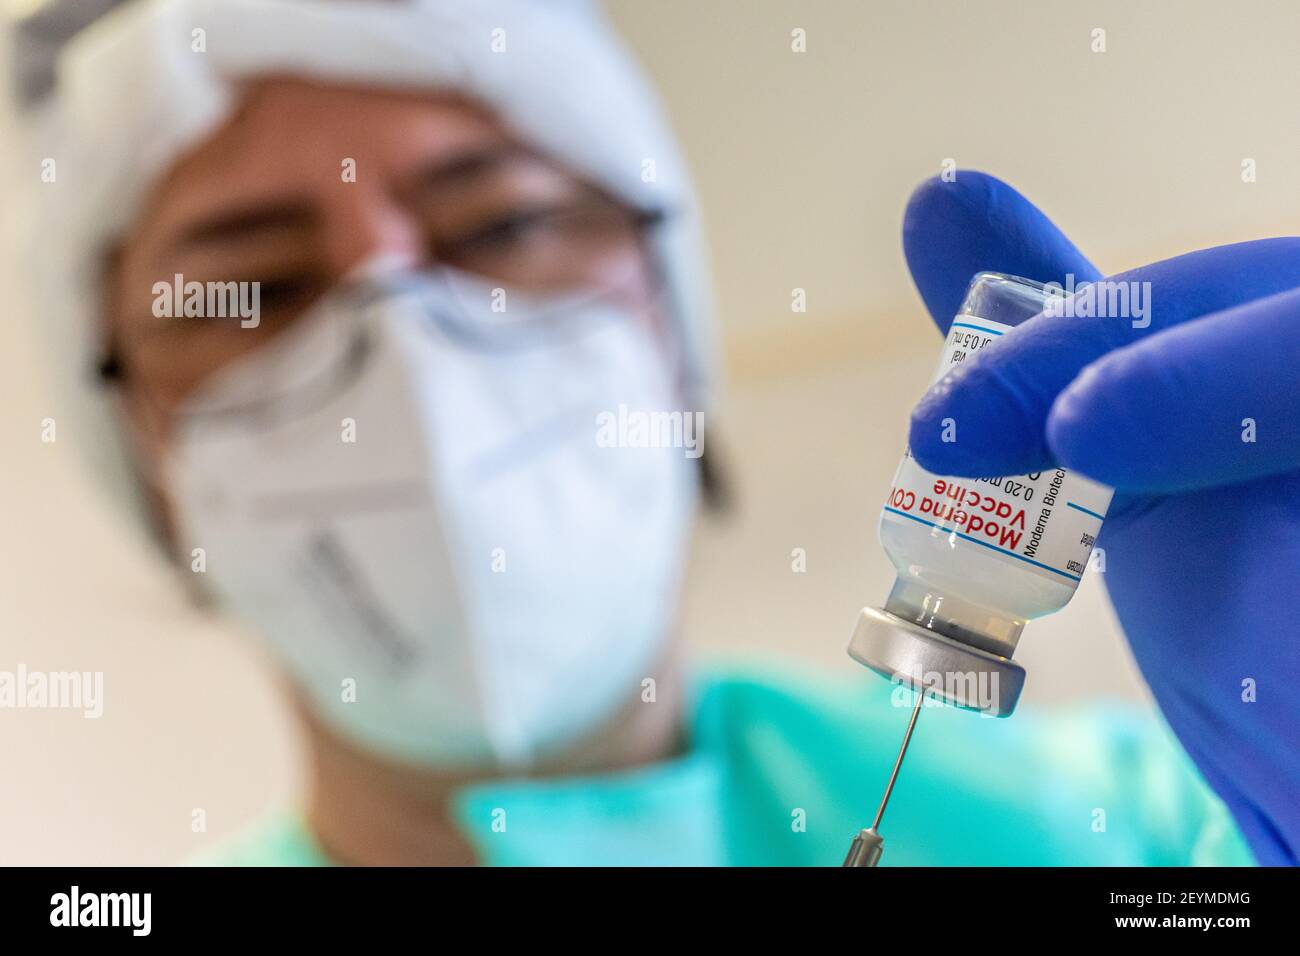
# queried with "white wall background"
point(804, 162)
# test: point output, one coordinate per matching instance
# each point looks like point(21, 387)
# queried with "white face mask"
point(428, 535)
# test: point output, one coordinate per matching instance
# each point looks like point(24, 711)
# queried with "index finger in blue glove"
point(978, 223)
point(1210, 402)
point(1001, 398)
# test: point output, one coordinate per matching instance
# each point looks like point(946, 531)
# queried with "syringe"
point(868, 845)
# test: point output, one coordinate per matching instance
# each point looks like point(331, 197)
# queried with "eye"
point(502, 232)
point(285, 291)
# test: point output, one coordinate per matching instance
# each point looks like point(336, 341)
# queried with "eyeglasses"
point(547, 248)
point(572, 252)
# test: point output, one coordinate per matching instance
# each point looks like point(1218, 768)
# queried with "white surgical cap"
point(153, 77)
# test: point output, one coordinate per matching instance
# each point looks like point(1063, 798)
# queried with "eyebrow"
point(468, 165)
point(238, 222)
point(279, 214)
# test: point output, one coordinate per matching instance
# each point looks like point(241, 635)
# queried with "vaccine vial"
point(976, 558)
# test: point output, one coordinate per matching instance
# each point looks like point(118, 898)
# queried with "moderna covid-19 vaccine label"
point(1046, 521)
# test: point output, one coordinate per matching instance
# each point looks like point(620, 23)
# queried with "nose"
point(363, 227)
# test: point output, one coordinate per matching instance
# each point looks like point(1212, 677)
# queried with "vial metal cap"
point(922, 659)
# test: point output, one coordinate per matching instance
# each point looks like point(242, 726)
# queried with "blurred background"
point(804, 162)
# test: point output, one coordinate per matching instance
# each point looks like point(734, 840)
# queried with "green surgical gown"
point(784, 769)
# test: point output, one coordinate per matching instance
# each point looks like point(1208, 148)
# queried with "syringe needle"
point(868, 845)
point(898, 763)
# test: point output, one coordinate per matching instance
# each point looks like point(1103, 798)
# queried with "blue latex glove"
point(1202, 539)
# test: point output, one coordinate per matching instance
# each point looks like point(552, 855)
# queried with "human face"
point(269, 198)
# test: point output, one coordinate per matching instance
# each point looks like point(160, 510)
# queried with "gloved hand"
point(1195, 421)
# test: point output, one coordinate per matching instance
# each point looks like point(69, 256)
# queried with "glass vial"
point(976, 558)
